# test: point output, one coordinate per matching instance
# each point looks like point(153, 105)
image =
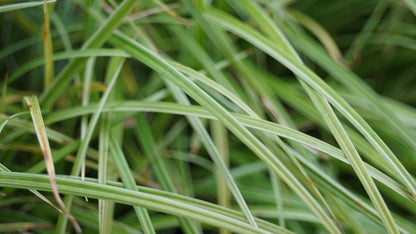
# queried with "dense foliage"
point(246, 116)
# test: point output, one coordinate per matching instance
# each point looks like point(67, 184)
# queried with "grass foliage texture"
point(207, 116)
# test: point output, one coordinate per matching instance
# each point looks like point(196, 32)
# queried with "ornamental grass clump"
point(237, 116)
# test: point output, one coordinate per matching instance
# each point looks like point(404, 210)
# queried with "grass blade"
point(22, 5)
point(152, 199)
point(262, 125)
point(47, 46)
point(130, 184)
point(105, 208)
point(82, 54)
point(36, 114)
